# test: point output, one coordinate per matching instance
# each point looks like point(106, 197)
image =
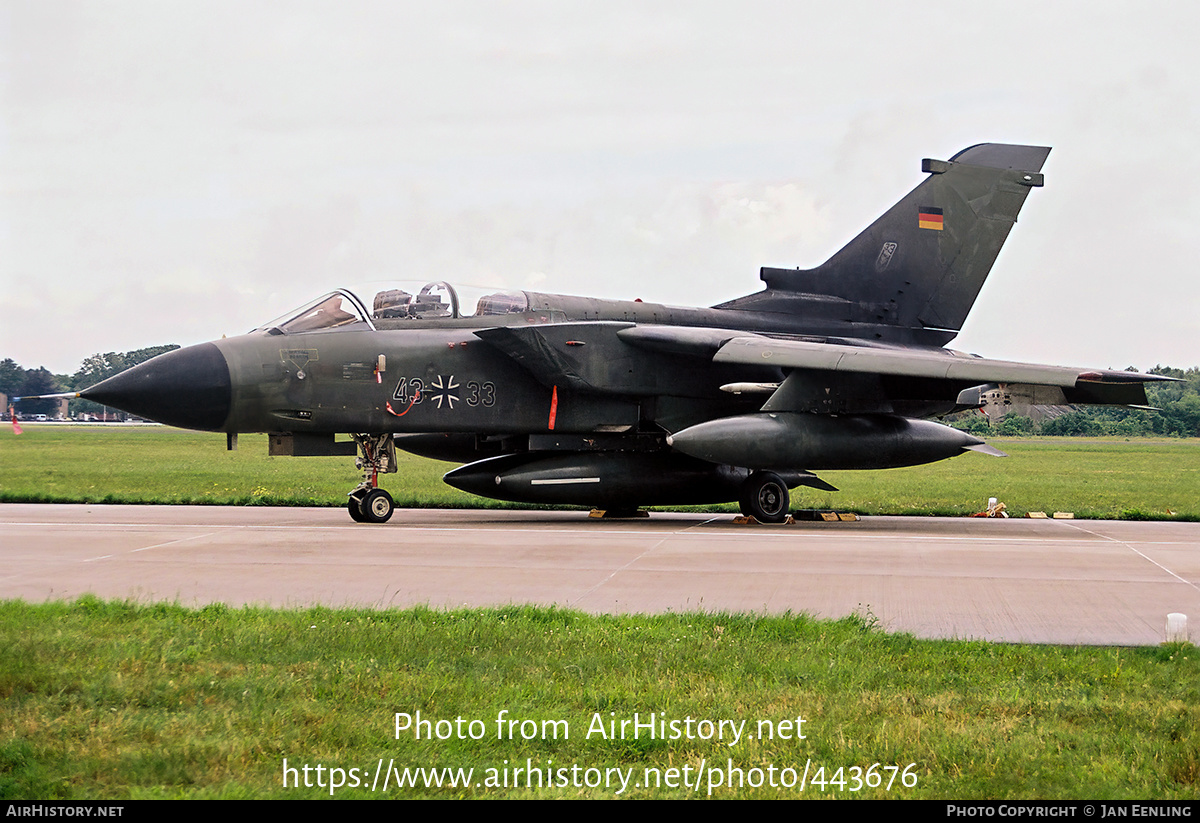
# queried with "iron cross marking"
point(444, 390)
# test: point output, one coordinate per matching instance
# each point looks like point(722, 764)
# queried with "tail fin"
point(922, 264)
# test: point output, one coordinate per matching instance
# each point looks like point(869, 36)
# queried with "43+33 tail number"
point(444, 391)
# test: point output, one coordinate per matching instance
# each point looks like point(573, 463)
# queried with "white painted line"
point(566, 481)
point(1075, 524)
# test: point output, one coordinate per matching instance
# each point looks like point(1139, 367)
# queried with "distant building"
point(1003, 401)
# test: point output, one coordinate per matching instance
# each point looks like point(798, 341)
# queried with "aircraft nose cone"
point(189, 388)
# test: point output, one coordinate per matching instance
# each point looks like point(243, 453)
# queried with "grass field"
point(1095, 478)
point(112, 700)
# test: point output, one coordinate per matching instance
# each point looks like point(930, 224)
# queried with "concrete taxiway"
point(1040, 581)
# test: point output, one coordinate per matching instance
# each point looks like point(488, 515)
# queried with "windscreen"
point(334, 310)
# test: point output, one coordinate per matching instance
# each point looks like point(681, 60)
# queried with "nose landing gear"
point(368, 503)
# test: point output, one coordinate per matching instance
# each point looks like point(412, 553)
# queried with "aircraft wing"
point(1078, 385)
point(961, 371)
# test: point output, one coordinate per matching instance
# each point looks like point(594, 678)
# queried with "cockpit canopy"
point(439, 299)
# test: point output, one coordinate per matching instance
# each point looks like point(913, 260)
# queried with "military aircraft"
point(549, 398)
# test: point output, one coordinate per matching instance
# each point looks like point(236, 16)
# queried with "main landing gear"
point(764, 497)
point(368, 503)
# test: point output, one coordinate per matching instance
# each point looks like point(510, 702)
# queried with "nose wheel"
point(370, 505)
point(354, 505)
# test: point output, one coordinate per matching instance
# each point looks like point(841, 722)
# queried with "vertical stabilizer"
point(922, 264)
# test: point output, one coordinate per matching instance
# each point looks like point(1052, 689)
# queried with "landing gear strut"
point(368, 503)
point(765, 497)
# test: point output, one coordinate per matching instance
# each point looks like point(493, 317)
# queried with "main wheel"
point(354, 506)
point(377, 506)
point(765, 497)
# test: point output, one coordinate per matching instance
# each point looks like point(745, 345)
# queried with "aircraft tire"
point(354, 506)
point(377, 506)
point(765, 497)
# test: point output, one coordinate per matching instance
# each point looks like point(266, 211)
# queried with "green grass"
point(115, 700)
point(1094, 478)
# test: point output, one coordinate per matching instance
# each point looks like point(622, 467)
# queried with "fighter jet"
point(548, 398)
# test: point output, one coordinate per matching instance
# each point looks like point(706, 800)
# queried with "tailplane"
point(921, 265)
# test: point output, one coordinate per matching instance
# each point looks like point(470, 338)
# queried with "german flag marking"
point(930, 217)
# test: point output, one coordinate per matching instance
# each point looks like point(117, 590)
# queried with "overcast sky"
point(174, 171)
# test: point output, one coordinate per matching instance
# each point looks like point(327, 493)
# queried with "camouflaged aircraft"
point(548, 398)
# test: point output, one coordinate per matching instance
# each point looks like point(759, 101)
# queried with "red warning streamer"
point(553, 407)
point(416, 397)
